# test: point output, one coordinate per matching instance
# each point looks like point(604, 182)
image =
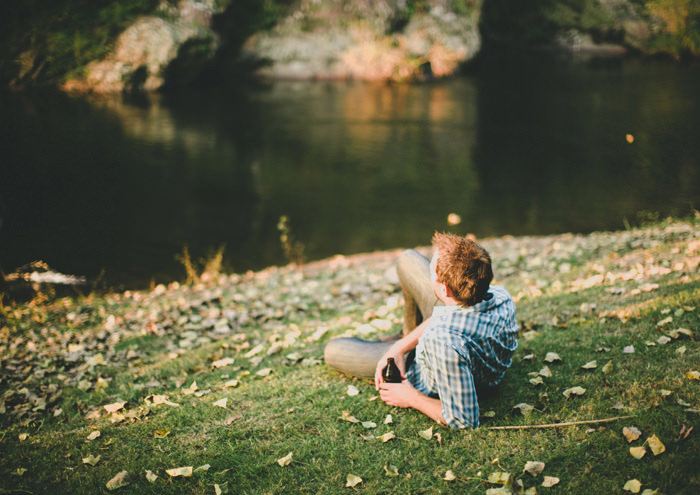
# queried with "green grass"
point(297, 407)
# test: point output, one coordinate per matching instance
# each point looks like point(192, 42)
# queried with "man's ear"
point(448, 291)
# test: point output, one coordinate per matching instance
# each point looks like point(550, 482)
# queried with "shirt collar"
point(480, 306)
point(449, 309)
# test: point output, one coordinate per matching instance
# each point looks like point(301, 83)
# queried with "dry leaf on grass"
point(550, 481)
point(632, 486)
point(608, 368)
point(545, 372)
point(159, 400)
point(638, 452)
point(449, 476)
point(94, 434)
point(352, 480)
point(590, 365)
point(389, 419)
point(574, 391)
point(91, 460)
point(631, 433)
point(692, 375)
point(264, 372)
point(352, 390)
point(525, 409)
point(118, 481)
point(228, 421)
point(499, 478)
point(161, 433)
point(534, 467)
point(285, 461)
point(391, 470)
point(551, 357)
point(151, 476)
point(501, 490)
point(387, 436)
point(628, 349)
point(184, 472)
point(114, 407)
point(656, 445)
point(426, 434)
point(348, 417)
point(221, 403)
point(220, 363)
point(369, 424)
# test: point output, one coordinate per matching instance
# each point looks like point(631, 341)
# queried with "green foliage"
point(675, 24)
point(680, 26)
point(58, 38)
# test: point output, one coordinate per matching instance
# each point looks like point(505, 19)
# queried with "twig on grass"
point(556, 425)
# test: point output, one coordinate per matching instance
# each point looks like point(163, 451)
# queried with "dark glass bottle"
point(391, 373)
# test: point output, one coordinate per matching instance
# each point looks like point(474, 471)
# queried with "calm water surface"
point(117, 186)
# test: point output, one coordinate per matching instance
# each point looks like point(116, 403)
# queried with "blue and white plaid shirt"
point(462, 348)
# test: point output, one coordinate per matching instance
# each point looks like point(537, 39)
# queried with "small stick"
point(556, 425)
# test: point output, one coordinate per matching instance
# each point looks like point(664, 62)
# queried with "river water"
point(114, 188)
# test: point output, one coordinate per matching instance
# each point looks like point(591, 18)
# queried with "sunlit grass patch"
point(298, 407)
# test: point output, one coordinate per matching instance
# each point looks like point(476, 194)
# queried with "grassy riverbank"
point(226, 376)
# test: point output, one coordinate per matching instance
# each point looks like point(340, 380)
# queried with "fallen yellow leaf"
point(692, 375)
point(656, 445)
point(426, 434)
point(533, 467)
point(550, 481)
point(391, 470)
point(631, 433)
point(638, 452)
point(91, 460)
point(352, 480)
point(574, 391)
point(114, 407)
point(499, 478)
point(285, 461)
point(220, 363)
point(348, 417)
point(184, 472)
point(117, 481)
point(632, 486)
point(94, 434)
point(550, 357)
point(387, 436)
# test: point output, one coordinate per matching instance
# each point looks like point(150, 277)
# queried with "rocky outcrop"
point(667, 27)
point(620, 20)
point(145, 51)
point(368, 40)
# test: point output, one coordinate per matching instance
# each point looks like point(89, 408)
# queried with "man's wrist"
point(397, 347)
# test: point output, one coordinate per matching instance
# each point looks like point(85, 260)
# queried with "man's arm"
point(398, 351)
point(428, 406)
point(410, 341)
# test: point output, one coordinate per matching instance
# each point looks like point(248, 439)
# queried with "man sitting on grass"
point(464, 342)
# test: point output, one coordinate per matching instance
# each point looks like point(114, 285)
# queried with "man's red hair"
point(463, 266)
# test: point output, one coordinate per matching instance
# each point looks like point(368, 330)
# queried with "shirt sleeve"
point(455, 384)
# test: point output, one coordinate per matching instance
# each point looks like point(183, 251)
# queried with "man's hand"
point(399, 358)
point(398, 394)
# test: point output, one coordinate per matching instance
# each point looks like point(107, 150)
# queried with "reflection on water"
point(516, 148)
